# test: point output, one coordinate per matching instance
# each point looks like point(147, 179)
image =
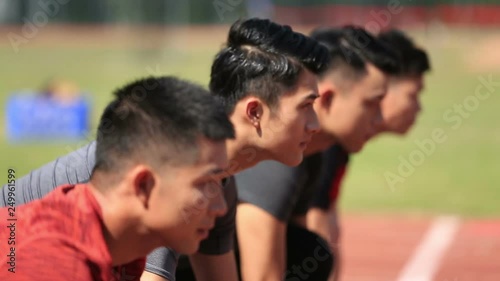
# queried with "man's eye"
point(377, 100)
point(201, 185)
point(210, 183)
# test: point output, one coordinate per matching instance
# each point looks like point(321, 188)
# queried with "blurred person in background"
point(61, 90)
point(400, 108)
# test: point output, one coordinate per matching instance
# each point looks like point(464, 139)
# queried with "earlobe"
point(254, 113)
point(256, 120)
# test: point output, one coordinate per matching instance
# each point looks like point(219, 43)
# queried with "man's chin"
point(291, 161)
point(187, 249)
point(355, 149)
point(403, 130)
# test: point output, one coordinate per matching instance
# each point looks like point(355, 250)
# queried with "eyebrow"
point(311, 96)
point(380, 93)
point(213, 174)
point(216, 172)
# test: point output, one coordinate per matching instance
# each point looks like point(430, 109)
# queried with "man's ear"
point(144, 181)
point(327, 93)
point(253, 112)
point(326, 97)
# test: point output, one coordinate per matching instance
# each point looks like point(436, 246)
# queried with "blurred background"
point(91, 47)
point(80, 51)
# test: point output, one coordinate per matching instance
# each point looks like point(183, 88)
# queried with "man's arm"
point(72, 168)
point(322, 216)
point(267, 194)
point(335, 241)
point(160, 265)
point(214, 267)
point(149, 276)
point(325, 223)
point(261, 241)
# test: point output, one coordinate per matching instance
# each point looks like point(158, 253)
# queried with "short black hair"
point(156, 120)
point(354, 47)
point(413, 60)
point(263, 58)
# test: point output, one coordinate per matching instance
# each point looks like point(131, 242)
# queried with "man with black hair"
point(401, 105)
point(274, 243)
point(266, 78)
point(400, 108)
point(156, 155)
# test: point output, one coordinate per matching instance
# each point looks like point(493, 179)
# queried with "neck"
point(122, 234)
point(320, 142)
point(242, 155)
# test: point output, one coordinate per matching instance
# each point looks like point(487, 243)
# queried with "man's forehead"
point(414, 83)
point(213, 154)
point(308, 79)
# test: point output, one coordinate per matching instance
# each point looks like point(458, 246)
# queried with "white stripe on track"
point(426, 259)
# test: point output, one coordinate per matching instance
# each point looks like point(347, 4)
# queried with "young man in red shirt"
point(160, 145)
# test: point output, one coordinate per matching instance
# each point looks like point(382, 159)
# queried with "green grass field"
point(459, 177)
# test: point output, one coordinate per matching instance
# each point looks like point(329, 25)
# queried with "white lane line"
point(426, 259)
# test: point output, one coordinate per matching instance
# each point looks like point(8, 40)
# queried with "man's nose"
point(378, 121)
point(312, 125)
point(218, 205)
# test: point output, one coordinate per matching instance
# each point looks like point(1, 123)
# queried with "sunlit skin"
point(281, 133)
point(349, 112)
point(401, 106)
point(165, 205)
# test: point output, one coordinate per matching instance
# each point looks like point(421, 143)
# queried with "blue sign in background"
point(33, 117)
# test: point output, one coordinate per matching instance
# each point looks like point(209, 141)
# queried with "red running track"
point(378, 248)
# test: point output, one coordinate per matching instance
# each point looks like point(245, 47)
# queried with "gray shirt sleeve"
point(162, 261)
point(272, 186)
point(72, 168)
